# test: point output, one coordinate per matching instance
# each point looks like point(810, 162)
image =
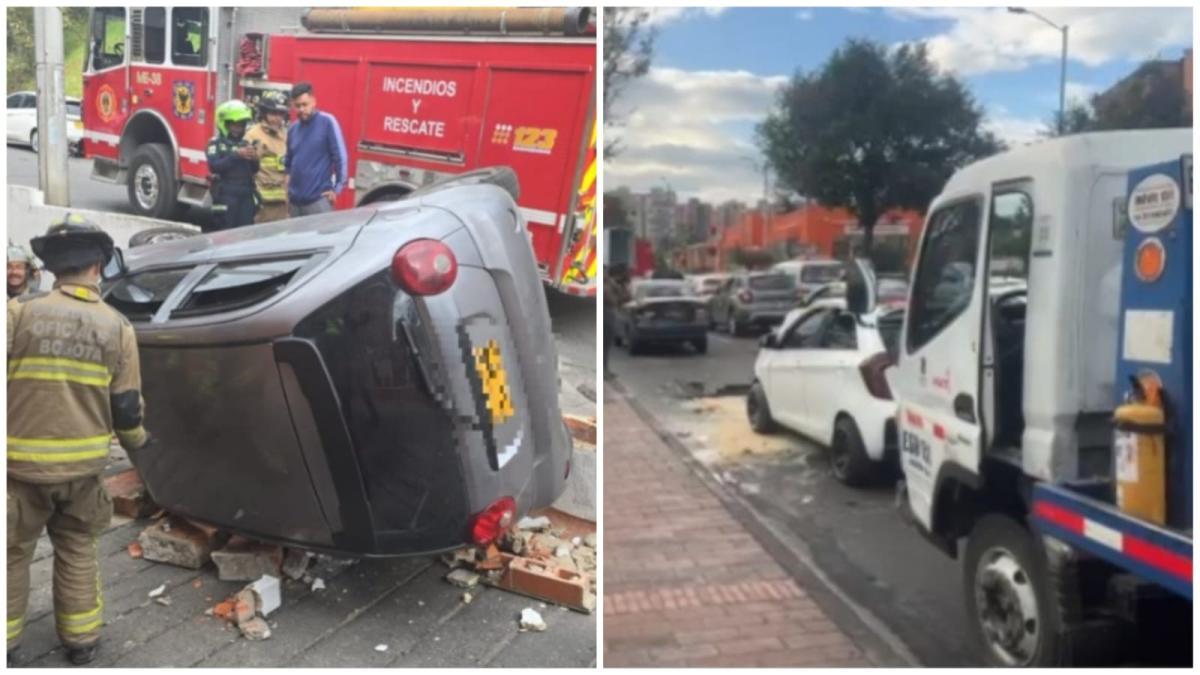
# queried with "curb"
point(880, 644)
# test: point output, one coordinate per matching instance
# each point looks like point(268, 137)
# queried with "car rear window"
point(138, 297)
point(231, 286)
point(820, 274)
point(772, 282)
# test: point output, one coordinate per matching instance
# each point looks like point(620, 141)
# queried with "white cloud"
point(804, 14)
point(679, 128)
point(989, 40)
point(1080, 92)
point(664, 15)
point(1013, 130)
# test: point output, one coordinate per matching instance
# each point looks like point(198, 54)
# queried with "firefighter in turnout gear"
point(233, 163)
point(269, 138)
point(73, 381)
point(23, 272)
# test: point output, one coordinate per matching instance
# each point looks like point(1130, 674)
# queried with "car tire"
point(759, 411)
point(634, 345)
point(1003, 558)
point(701, 345)
point(848, 455)
point(731, 325)
point(156, 235)
point(152, 188)
point(33, 141)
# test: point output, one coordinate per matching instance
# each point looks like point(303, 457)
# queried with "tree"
point(1152, 97)
point(628, 47)
point(22, 66)
point(871, 131)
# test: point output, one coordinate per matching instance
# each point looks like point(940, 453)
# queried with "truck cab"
point(1006, 377)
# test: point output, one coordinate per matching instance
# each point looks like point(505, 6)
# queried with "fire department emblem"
point(106, 103)
point(184, 97)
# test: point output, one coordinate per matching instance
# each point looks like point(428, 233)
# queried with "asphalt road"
point(853, 537)
point(403, 603)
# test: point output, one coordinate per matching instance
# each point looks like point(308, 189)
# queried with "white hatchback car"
point(21, 123)
point(821, 373)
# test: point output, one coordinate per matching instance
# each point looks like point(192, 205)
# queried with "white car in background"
point(705, 286)
point(22, 112)
point(811, 274)
point(821, 373)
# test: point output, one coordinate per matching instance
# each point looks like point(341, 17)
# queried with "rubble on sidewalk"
point(549, 557)
point(178, 542)
point(247, 608)
point(242, 559)
point(532, 620)
point(129, 496)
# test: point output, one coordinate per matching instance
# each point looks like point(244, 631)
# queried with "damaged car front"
point(380, 381)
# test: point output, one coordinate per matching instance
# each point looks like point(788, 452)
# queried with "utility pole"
point(1062, 76)
point(51, 106)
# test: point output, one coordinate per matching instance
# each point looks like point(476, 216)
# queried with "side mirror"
point(860, 286)
point(115, 266)
point(769, 341)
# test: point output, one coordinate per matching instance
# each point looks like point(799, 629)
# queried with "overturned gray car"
point(380, 381)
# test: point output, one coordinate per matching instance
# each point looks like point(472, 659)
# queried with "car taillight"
point(872, 375)
point(746, 297)
point(424, 267)
point(493, 521)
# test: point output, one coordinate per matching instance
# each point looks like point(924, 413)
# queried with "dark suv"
point(377, 381)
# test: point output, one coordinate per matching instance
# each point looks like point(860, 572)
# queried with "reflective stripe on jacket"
point(272, 145)
point(73, 380)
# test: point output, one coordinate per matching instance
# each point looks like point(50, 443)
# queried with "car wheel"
point(33, 141)
point(1008, 592)
point(155, 235)
point(701, 345)
point(759, 411)
point(152, 187)
point(732, 326)
point(848, 455)
point(634, 345)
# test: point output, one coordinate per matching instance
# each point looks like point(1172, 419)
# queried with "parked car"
point(705, 286)
point(757, 299)
point(662, 311)
point(377, 381)
point(821, 374)
point(811, 274)
point(22, 122)
point(831, 291)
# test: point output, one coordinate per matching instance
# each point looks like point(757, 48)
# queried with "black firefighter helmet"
point(73, 243)
point(272, 101)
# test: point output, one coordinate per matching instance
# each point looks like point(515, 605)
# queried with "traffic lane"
point(83, 192)
point(853, 536)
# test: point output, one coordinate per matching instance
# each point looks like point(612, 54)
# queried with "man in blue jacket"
point(316, 157)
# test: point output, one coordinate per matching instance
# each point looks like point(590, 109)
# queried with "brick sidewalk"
point(685, 584)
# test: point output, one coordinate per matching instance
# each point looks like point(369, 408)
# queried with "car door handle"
point(964, 408)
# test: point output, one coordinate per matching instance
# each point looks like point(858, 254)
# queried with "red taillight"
point(746, 297)
point(493, 521)
point(872, 375)
point(424, 267)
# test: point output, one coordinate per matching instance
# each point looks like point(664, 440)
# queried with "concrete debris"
point(463, 578)
point(590, 540)
point(562, 551)
point(177, 542)
point(158, 591)
point(381, 648)
point(164, 601)
point(463, 556)
point(467, 598)
point(532, 620)
point(295, 563)
point(576, 541)
point(268, 594)
point(245, 606)
point(318, 584)
point(420, 603)
point(129, 496)
point(806, 499)
point(538, 523)
point(255, 629)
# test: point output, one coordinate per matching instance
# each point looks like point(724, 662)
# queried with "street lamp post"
point(1062, 77)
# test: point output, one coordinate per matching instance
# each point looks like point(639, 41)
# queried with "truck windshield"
point(108, 37)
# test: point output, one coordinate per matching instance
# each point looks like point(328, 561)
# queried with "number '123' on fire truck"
point(420, 95)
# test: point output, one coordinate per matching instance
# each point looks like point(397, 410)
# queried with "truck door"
point(105, 83)
point(938, 375)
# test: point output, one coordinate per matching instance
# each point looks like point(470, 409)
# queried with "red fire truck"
point(420, 94)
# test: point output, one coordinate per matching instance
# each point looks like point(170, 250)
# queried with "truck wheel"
point(33, 141)
point(759, 411)
point(155, 235)
point(848, 455)
point(634, 345)
point(1007, 589)
point(152, 186)
point(701, 345)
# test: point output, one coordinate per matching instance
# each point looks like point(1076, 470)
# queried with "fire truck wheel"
point(152, 185)
point(155, 235)
point(1008, 595)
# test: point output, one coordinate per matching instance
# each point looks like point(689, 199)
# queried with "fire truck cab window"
point(108, 37)
point(154, 28)
point(189, 25)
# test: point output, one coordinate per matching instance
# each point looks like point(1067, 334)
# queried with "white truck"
point(1012, 360)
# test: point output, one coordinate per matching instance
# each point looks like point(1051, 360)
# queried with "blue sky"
point(705, 56)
